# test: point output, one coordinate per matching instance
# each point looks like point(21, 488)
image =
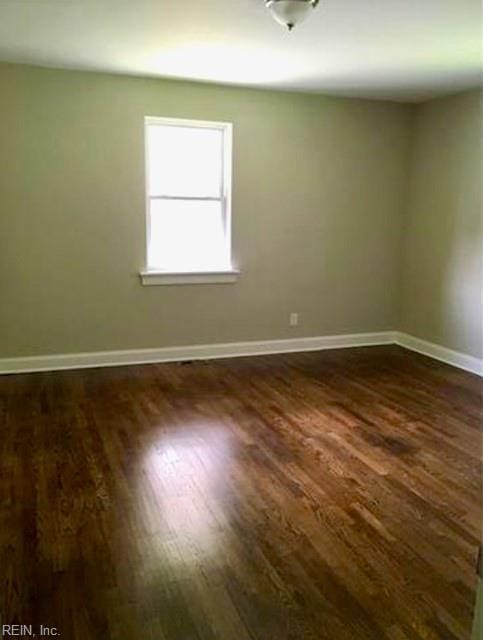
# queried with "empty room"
point(241, 328)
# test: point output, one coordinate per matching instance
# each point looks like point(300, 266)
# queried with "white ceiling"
point(407, 50)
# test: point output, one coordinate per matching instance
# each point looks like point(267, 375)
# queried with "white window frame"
point(151, 276)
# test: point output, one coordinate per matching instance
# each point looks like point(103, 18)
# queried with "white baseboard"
point(194, 352)
point(436, 351)
point(233, 349)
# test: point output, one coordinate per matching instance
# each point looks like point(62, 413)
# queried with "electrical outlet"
point(293, 319)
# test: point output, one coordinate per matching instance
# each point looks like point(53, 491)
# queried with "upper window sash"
point(165, 177)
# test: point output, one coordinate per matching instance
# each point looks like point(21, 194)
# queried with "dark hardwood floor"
point(331, 495)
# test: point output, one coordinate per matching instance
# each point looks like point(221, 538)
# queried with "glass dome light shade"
point(290, 12)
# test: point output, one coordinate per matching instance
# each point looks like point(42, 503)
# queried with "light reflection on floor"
point(181, 486)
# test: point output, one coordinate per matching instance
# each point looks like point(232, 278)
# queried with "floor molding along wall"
point(234, 349)
point(194, 352)
point(436, 351)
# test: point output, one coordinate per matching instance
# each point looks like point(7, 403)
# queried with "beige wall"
point(443, 243)
point(319, 187)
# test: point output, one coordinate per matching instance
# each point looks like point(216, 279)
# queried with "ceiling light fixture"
point(290, 12)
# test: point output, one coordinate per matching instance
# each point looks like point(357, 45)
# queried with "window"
point(188, 182)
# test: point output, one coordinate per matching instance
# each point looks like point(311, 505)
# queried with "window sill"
point(188, 277)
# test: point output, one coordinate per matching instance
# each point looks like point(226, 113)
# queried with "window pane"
point(184, 161)
point(187, 235)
